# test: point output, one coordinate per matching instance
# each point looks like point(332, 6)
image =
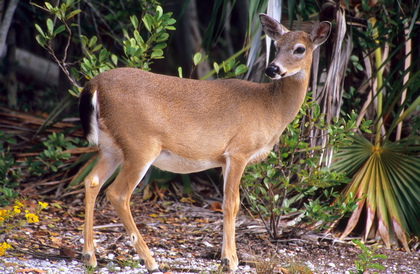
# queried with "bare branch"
point(5, 25)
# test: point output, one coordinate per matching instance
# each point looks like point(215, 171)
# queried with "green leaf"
point(59, 30)
point(241, 69)
point(156, 54)
point(41, 40)
point(93, 41)
point(138, 38)
point(159, 12)
point(97, 47)
point(103, 55)
point(377, 266)
point(148, 22)
point(197, 58)
point(226, 66)
point(73, 13)
point(114, 59)
point(162, 37)
point(50, 26)
point(84, 40)
point(48, 6)
point(231, 63)
point(180, 72)
point(216, 67)
point(160, 46)
point(134, 21)
point(170, 21)
point(40, 30)
point(73, 93)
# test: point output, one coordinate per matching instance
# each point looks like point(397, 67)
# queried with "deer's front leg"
point(232, 174)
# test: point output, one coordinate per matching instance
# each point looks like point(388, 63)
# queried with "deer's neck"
point(288, 95)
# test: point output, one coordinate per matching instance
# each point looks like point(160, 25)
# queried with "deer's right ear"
point(272, 27)
point(320, 33)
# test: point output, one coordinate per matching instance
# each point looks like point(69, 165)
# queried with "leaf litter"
point(184, 238)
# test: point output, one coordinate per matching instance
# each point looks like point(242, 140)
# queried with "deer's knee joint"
point(92, 181)
point(133, 238)
point(95, 181)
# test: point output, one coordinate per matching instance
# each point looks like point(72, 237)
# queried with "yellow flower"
point(3, 212)
point(1, 219)
point(3, 248)
point(31, 218)
point(19, 204)
point(16, 210)
point(43, 205)
point(6, 245)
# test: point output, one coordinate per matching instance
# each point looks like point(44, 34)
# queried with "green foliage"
point(9, 178)
point(64, 12)
point(139, 50)
point(97, 59)
point(293, 176)
point(230, 68)
point(9, 175)
point(384, 166)
point(51, 158)
point(131, 263)
point(227, 69)
point(367, 258)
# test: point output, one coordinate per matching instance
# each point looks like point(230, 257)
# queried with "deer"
point(139, 119)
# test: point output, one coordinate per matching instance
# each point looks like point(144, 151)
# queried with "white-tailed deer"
point(139, 119)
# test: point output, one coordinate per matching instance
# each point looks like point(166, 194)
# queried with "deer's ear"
point(272, 27)
point(320, 33)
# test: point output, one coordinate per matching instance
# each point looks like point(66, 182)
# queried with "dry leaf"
point(30, 270)
point(216, 206)
point(187, 200)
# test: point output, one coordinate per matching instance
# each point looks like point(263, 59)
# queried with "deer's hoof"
point(225, 262)
point(89, 259)
point(228, 266)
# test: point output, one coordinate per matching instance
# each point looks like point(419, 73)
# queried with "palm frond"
point(385, 180)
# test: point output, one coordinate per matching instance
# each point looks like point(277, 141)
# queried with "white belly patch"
point(174, 163)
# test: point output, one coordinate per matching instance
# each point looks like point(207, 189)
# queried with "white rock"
point(331, 264)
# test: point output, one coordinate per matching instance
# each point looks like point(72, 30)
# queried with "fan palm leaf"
point(385, 180)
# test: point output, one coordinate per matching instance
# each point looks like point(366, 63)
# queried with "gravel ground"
point(13, 265)
point(184, 239)
point(178, 265)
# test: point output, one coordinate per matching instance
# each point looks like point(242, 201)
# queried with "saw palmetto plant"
point(385, 166)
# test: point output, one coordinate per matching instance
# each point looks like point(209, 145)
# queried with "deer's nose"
point(271, 71)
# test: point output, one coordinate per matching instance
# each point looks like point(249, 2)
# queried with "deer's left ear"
point(320, 33)
point(272, 27)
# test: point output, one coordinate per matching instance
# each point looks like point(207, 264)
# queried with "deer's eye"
point(299, 50)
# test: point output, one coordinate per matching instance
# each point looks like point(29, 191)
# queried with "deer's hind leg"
point(108, 161)
point(135, 165)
